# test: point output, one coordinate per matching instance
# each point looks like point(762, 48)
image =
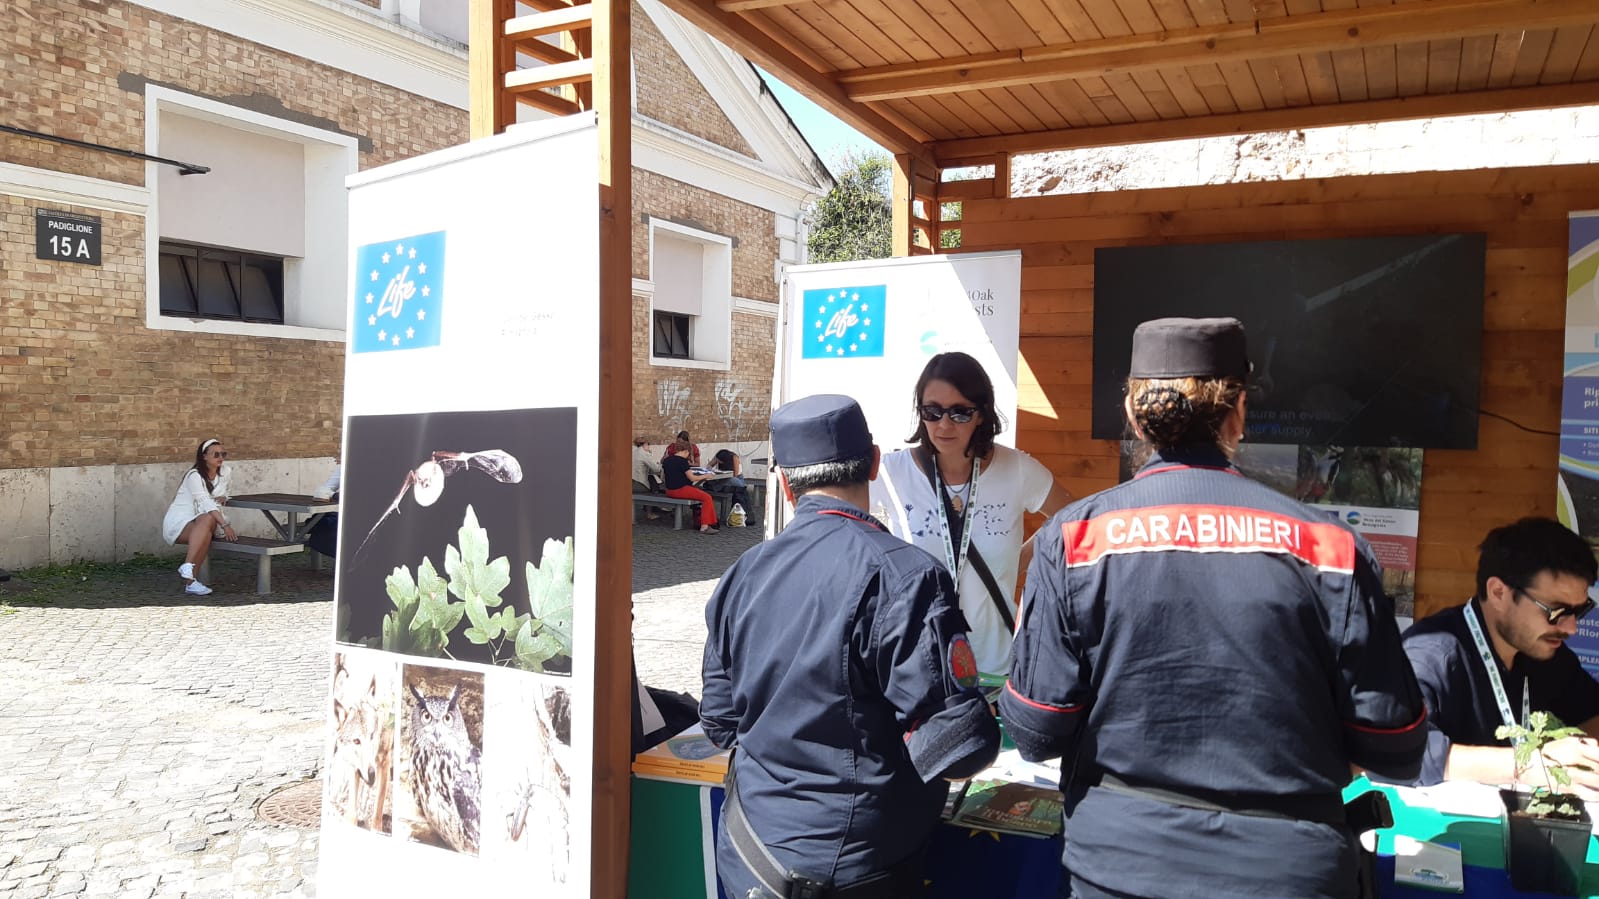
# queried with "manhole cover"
point(298, 805)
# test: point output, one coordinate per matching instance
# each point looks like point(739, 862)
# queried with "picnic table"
point(292, 530)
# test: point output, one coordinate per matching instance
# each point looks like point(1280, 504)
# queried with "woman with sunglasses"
point(1207, 657)
point(196, 512)
point(960, 496)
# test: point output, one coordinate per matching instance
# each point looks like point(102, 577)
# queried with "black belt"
point(1322, 808)
point(793, 884)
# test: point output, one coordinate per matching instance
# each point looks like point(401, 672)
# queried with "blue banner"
point(399, 294)
point(844, 322)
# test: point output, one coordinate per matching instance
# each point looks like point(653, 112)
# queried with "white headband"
point(207, 445)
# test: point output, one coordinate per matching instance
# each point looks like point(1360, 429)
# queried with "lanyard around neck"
point(1485, 651)
point(955, 563)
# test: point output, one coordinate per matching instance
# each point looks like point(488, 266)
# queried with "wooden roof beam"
point(1284, 36)
point(569, 18)
point(970, 150)
point(744, 5)
point(893, 132)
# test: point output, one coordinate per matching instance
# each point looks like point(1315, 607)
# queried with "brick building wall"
point(730, 406)
point(667, 91)
point(84, 382)
point(101, 412)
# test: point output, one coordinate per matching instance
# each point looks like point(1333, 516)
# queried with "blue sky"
point(828, 136)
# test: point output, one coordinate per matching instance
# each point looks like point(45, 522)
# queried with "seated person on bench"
point(727, 460)
point(683, 483)
point(196, 511)
point(324, 535)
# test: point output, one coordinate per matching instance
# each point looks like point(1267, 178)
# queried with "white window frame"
point(715, 321)
point(322, 278)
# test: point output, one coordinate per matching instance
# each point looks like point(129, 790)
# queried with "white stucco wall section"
point(53, 516)
point(72, 190)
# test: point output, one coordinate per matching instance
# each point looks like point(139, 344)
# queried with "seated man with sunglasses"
point(1503, 655)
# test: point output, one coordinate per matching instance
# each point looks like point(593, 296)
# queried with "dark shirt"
point(1461, 707)
point(675, 472)
point(828, 645)
point(1196, 631)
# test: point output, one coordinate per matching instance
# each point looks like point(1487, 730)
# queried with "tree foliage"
point(854, 219)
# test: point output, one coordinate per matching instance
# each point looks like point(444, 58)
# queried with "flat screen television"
point(1360, 341)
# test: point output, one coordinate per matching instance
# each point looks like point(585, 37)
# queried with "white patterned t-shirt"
point(1010, 484)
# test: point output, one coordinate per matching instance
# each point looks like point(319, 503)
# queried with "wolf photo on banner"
point(458, 528)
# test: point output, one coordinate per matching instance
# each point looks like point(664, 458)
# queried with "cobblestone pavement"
point(140, 728)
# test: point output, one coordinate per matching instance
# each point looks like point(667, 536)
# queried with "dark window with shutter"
point(671, 335)
point(204, 282)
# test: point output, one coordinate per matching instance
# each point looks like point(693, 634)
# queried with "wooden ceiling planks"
point(1588, 65)
point(966, 71)
point(1380, 63)
point(1535, 45)
point(1443, 66)
point(1565, 53)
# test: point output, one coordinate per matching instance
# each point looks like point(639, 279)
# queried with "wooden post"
point(904, 199)
point(492, 109)
point(613, 620)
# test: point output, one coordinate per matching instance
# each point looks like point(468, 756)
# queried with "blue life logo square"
point(399, 293)
point(844, 322)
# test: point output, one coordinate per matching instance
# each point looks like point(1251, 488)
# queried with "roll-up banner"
point(460, 718)
point(866, 329)
point(1577, 483)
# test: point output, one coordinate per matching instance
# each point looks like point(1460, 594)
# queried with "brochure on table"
point(460, 720)
point(866, 330)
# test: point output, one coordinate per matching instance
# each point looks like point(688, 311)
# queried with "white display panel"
point(461, 716)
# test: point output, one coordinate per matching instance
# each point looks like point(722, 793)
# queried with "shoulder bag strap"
point(973, 557)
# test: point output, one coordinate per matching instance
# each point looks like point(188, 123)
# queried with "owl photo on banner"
point(399, 295)
point(844, 322)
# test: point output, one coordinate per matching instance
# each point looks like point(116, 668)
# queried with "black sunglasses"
point(957, 414)
point(219, 454)
point(1556, 613)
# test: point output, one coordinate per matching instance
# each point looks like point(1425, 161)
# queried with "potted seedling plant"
point(1546, 837)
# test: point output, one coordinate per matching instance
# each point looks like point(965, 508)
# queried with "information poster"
point(1577, 484)
point(460, 714)
point(1374, 490)
point(866, 330)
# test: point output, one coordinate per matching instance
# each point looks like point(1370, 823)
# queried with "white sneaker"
point(197, 588)
point(186, 571)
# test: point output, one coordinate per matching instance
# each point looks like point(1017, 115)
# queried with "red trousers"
point(707, 507)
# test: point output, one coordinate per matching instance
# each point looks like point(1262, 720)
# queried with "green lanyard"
point(1486, 652)
point(956, 563)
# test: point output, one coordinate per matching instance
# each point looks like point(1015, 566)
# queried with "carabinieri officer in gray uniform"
point(837, 663)
point(1207, 656)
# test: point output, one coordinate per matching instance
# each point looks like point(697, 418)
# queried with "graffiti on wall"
point(671, 401)
point(737, 408)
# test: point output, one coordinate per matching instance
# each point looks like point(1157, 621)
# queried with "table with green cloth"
point(673, 851)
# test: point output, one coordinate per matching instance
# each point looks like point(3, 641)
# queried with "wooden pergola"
point(944, 84)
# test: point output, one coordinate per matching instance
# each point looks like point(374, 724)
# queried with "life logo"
point(844, 322)
point(399, 293)
point(1352, 518)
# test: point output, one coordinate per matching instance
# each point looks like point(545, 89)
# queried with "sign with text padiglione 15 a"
point(1577, 482)
point(66, 237)
point(460, 719)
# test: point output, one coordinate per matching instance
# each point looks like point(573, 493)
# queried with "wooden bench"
point(679, 506)
point(261, 548)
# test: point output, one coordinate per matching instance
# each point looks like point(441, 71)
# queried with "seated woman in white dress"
point(196, 511)
point(961, 496)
